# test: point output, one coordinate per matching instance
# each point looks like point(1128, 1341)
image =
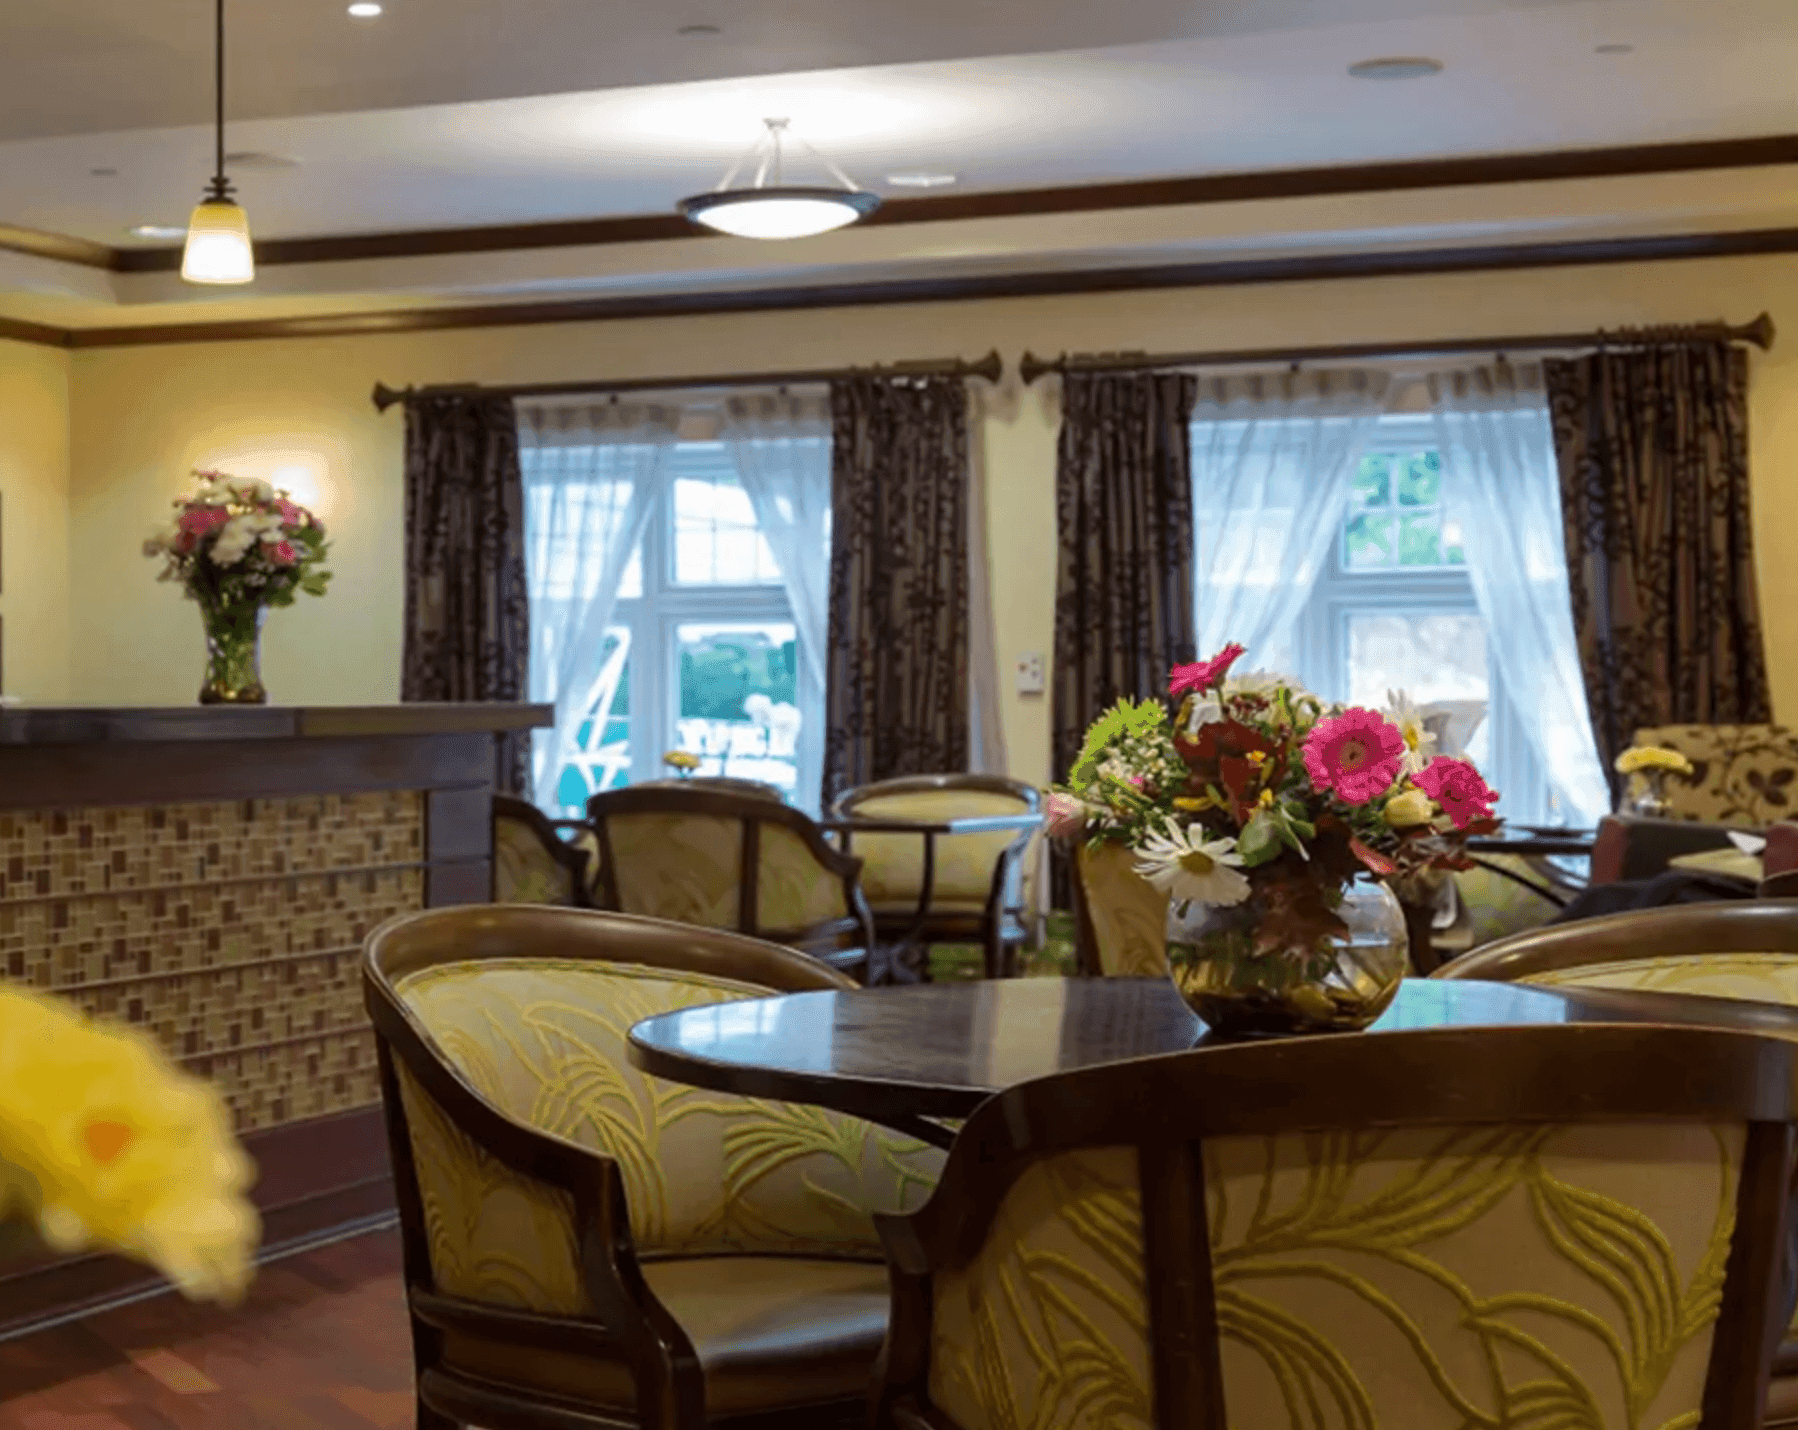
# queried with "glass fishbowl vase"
point(1341, 983)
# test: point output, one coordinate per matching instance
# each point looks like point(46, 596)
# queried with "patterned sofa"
point(1742, 775)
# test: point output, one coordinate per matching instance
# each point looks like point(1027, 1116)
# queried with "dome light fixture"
point(778, 209)
point(1396, 67)
point(218, 235)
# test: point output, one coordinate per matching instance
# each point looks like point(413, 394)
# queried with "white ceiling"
point(449, 113)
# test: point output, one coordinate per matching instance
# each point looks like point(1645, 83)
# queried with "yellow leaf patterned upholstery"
point(524, 872)
point(1127, 915)
point(1411, 1279)
point(893, 864)
point(1757, 977)
point(544, 1040)
point(495, 1234)
point(1497, 907)
point(1741, 774)
point(684, 867)
point(793, 891)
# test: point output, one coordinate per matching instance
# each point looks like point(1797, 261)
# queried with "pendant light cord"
point(221, 186)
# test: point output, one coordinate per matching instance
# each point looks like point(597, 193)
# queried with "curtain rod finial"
point(1761, 331)
point(385, 396)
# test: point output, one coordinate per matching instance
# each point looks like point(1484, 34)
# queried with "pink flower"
point(292, 515)
point(1064, 816)
point(203, 520)
point(282, 553)
point(1203, 674)
point(1459, 788)
point(1356, 754)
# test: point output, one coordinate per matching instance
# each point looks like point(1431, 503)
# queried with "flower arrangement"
point(1647, 767)
point(1248, 787)
point(238, 546)
point(682, 762)
point(104, 1142)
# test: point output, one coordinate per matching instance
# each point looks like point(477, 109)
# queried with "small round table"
point(904, 1056)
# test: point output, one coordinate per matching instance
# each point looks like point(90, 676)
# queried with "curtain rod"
point(989, 367)
point(1759, 332)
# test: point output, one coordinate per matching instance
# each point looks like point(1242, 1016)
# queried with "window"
point(1394, 609)
point(702, 653)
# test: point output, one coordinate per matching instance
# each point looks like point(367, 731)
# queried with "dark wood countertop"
point(101, 724)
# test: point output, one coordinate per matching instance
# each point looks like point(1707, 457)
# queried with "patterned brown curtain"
point(468, 626)
point(1124, 579)
point(1653, 451)
point(896, 684)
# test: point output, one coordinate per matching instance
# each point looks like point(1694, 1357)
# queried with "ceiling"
point(456, 113)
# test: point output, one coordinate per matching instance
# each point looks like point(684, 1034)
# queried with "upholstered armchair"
point(532, 862)
point(1745, 776)
point(1746, 951)
point(729, 860)
point(1557, 1225)
point(977, 892)
point(586, 1246)
point(1120, 920)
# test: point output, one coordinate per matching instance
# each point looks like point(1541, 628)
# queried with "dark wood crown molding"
point(1308, 268)
point(1011, 203)
point(59, 246)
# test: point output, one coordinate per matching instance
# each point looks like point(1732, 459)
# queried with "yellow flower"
point(681, 760)
point(1191, 805)
point(104, 1141)
point(1652, 757)
point(1409, 809)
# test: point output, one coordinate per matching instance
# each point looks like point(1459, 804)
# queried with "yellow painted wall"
point(34, 522)
point(143, 417)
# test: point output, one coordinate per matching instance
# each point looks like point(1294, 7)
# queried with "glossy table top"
point(938, 1050)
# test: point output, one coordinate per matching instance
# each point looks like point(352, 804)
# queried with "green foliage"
point(717, 675)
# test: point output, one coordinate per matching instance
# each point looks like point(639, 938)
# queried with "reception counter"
point(209, 874)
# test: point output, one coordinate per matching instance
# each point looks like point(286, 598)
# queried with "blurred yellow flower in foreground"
point(1652, 757)
point(104, 1141)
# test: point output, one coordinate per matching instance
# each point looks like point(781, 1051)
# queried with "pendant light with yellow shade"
point(218, 235)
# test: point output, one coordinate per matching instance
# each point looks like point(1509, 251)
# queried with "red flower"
point(1356, 754)
point(282, 553)
point(1459, 788)
point(1203, 674)
point(200, 520)
point(292, 515)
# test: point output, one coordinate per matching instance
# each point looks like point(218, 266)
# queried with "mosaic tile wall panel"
point(230, 931)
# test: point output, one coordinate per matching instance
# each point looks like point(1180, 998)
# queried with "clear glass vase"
point(1645, 795)
point(233, 653)
point(1342, 983)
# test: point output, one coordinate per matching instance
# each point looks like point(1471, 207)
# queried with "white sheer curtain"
point(1501, 483)
point(592, 475)
point(781, 445)
point(1273, 457)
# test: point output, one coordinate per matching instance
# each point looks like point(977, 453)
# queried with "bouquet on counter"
point(240, 541)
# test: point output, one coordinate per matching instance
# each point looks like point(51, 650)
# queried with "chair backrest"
point(1120, 918)
point(726, 860)
point(527, 1010)
point(532, 863)
point(727, 784)
point(971, 869)
point(1562, 1224)
point(1745, 775)
point(1745, 949)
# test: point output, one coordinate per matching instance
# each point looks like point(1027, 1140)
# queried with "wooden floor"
point(320, 1343)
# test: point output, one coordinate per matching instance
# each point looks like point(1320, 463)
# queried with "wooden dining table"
point(915, 1056)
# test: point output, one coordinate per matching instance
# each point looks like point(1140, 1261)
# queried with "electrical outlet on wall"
point(1030, 673)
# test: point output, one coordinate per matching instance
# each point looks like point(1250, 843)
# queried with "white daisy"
point(1420, 744)
point(1188, 868)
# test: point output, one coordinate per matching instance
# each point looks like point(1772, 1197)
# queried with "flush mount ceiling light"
point(921, 180)
point(1399, 67)
point(778, 209)
point(365, 10)
point(218, 234)
point(164, 231)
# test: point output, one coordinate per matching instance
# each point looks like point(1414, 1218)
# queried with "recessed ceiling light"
point(1612, 49)
point(104, 173)
point(698, 30)
point(365, 9)
point(156, 230)
point(1399, 67)
point(921, 180)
